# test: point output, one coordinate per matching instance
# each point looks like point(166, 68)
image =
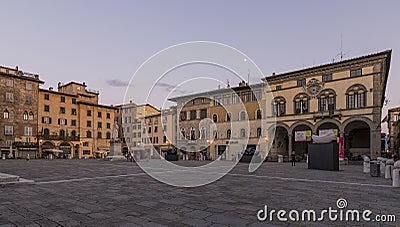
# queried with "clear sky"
point(104, 42)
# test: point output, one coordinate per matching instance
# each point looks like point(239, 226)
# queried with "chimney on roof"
point(242, 84)
point(16, 67)
point(84, 83)
point(36, 76)
point(273, 74)
point(59, 84)
point(130, 101)
point(50, 88)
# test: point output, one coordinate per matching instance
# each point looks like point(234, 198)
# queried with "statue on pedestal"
point(115, 132)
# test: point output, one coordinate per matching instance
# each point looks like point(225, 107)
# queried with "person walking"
point(293, 158)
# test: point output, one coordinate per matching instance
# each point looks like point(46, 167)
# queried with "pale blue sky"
point(99, 41)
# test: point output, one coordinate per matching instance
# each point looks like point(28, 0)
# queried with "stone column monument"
point(115, 145)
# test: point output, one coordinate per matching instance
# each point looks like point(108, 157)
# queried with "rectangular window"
point(203, 113)
point(257, 95)
point(86, 152)
point(279, 87)
point(149, 130)
point(227, 99)
point(9, 143)
point(62, 99)
point(327, 77)
point(73, 100)
point(9, 83)
point(246, 95)
point(88, 124)
point(28, 100)
point(134, 135)
point(73, 111)
point(8, 130)
point(46, 120)
point(62, 121)
point(99, 114)
point(28, 131)
point(28, 86)
point(301, 82)
point(46, 97)
point(85, 144)
point(99, 135)
point(183, 116)
point(355, 72)
point(108, 115)
point(9, 97)
point(46, 108)
point(164, 139)
point(99, 125)
point(193, 114)
point(89, 113)
point(108, 125)
point(62, 110)
point(73, 122)
point(155, 129)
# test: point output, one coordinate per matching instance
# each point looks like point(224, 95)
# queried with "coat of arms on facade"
point(313, 87)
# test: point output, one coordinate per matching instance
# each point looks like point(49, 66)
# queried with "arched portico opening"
point(301, 137)
point(357, 139)
point(66, 148)
point(280, 144)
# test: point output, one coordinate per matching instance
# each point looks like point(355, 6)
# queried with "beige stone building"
point(345, 97)
point(71, 120)
point(19, 113)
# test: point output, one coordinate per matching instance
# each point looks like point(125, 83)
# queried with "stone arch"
point(329, 120)
point(297, 123)
point(358, 118)
point(279, 124)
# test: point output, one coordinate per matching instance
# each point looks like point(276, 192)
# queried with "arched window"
point(192, 134)
point(242, 115)
point(228, 117)
point(301, 103)
point(6, 114)
point(183, 134)
point(259, 114)
point(25, 116)
point(215, 118)
point(356, 97)
point(327, 98)
point(279, 106)
point(88, 134)
point(202, 133)
point(62, 133)
point(46, 132)
point(228, 133)
point(242, 132)
point(259, 134)
point(30, 117)
point(73, 133)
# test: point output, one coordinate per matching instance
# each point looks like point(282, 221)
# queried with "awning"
point(53, 150)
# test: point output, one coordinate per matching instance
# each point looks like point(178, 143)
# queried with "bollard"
point(280, 158)
point(389, 168)
point(396, 175)
point(366, 165)
point(382, 166)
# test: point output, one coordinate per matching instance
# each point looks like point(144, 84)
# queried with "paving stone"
point(139, 200)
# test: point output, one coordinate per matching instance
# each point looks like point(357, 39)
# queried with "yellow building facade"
point(72, 124)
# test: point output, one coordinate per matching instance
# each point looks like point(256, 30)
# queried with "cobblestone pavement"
point(103, 193)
